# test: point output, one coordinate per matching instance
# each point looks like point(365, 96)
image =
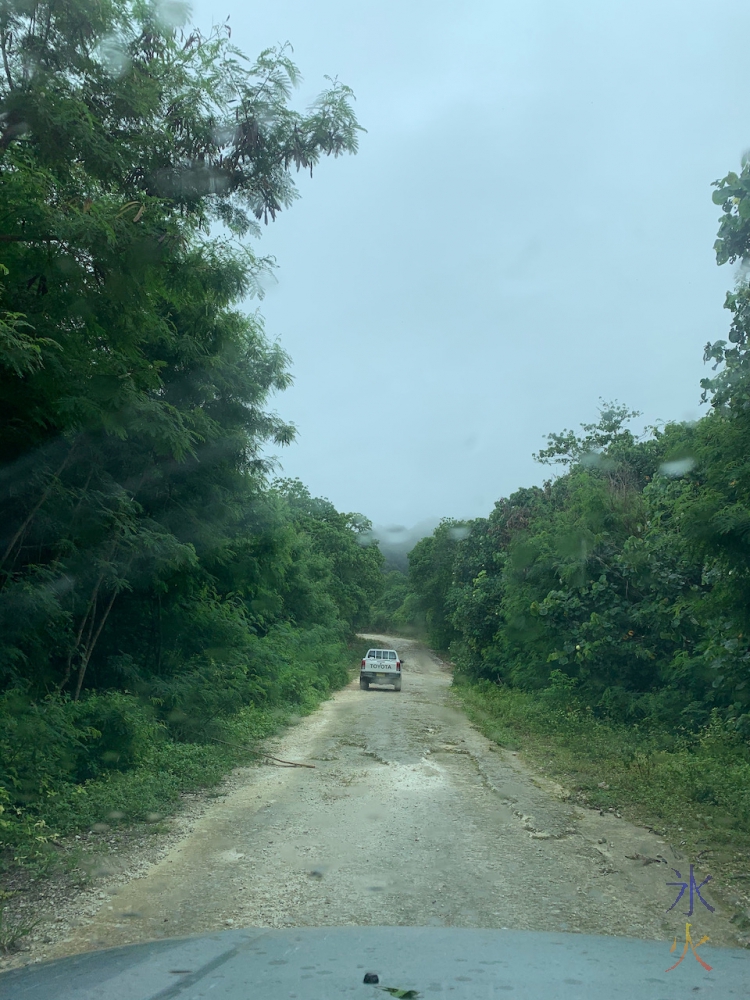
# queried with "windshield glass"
point(249, 255)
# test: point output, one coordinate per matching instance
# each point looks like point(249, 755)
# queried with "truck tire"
point(363, 684)
point(397, 686)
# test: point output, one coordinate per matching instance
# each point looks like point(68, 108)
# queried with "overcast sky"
point(527, 227)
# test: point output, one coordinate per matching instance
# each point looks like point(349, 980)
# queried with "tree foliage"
point(626, 577)
point(142, 549)
point(624, 583)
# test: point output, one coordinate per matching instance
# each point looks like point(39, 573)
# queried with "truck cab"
point(380, 666)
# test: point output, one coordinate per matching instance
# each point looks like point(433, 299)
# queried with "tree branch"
point(7, 237)
point(19, 534)
point(90, 649)
point(6, 64)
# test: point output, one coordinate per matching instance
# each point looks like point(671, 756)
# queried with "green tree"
point(152, 585)
point(343, 542)
point(431, 576)
point(386, 608)
point(133, 394)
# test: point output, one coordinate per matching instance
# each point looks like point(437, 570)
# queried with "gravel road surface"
point(410, 816)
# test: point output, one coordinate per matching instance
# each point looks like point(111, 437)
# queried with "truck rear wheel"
point(364, 685)
point(397, 686)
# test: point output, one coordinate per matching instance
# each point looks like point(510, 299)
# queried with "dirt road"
point(409, 817)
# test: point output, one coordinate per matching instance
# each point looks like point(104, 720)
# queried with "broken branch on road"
point(264, 756)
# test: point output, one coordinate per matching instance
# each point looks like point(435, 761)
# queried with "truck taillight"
point(398, 664)
point(363, 662)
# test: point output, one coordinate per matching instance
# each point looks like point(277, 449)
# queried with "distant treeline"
point(623, 584)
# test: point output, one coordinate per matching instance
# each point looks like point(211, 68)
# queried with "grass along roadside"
point(82, 831)
point(693, 790)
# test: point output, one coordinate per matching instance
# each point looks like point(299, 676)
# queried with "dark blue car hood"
point(326, 963)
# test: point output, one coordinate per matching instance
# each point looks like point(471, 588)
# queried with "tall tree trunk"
point(91, 607)
point(92, 643)
point(89, 619)
point(48, 489)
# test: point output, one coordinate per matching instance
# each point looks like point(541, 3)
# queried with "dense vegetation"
point(624, 580)
point(608, 611)
point(156, 588)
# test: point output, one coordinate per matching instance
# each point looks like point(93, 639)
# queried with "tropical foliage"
point(153, 583)
point(623, 583)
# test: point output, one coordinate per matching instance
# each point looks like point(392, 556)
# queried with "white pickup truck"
point(381, 666)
